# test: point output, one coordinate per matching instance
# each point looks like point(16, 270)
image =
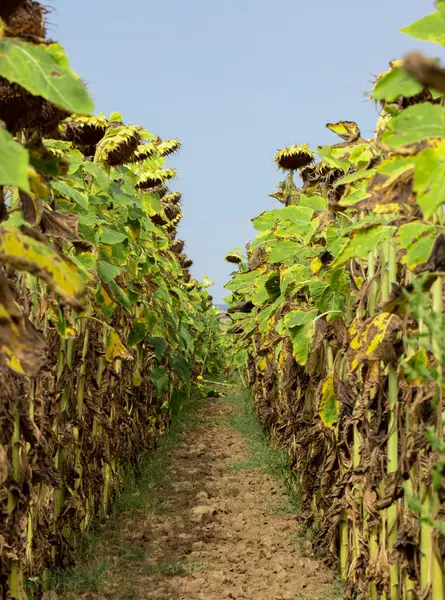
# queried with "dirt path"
point(219, 530)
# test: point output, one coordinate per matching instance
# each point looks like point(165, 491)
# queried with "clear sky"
point(234, 80)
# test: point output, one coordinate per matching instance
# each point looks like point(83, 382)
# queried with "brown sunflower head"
point(294, 157)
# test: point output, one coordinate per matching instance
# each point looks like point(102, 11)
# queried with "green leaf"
point(99, 175)
point(159, 378)
point(159, 344)
point(107, 271)
point(429, 179)
point(415, 124)
point(14, 162)
point(120, 295)
point(240, 358)
point(140, 330)
point(325, 298)
point(187, 338)
point(394, 84)
point(313, 202)
point(294, 318)
point(111, 236)
point(282, 251)
point(361, 243)
point(418, 253)
point(410, 233)
point(299, 325)
point(162, 292)
point(429, 29)
point(35, 68)
point(181, 364)
point(177, 401)
point(301, 337)
point(66, 191)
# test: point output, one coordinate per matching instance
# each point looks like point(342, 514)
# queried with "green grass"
point(263, 454)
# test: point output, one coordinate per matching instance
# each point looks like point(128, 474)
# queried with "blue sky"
point(234, 80)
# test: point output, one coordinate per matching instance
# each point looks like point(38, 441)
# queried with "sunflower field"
point(102, 327)
point(337, 309)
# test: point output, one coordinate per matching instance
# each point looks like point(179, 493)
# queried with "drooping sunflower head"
point(177, 246)
point(294, 157)
point(234, 257)
point(83, 131)
point(118, 145)
point(152, 178)
point(168, 147)
point(173, 198)
point(24, 18)
point(142, 152)
point(171, 210)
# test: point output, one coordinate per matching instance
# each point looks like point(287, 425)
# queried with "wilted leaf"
point(115, 348)
point(26, 253)
point(23, 345)
point(347, 130)
point(373, 339)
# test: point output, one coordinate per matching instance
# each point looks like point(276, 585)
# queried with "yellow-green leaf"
point(26, 253)
point(115, 348)
point(329, 406)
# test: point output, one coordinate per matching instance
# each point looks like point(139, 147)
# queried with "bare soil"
point(217, 531)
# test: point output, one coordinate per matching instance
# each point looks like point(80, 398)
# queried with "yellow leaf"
point(374, 339)
point(316, 265)
point(115, 348)
point(20, 249)
point(13, 361)
point(347, 130)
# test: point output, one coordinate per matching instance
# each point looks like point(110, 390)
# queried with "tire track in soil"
point(216, 536)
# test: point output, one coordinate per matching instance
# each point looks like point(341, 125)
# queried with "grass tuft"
point(263, 454)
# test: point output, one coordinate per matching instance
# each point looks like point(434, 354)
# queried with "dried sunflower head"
point(143, 151)
point(118, 145)
point(294, 157)
point(84, 131)
point(173, 198)
point(234, 257)
point(171, 210)
point(177, 246)
point(168, 147)
point(151, 178)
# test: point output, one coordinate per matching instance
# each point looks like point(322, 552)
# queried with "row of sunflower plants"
point(102, 327)
point(337, 311)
